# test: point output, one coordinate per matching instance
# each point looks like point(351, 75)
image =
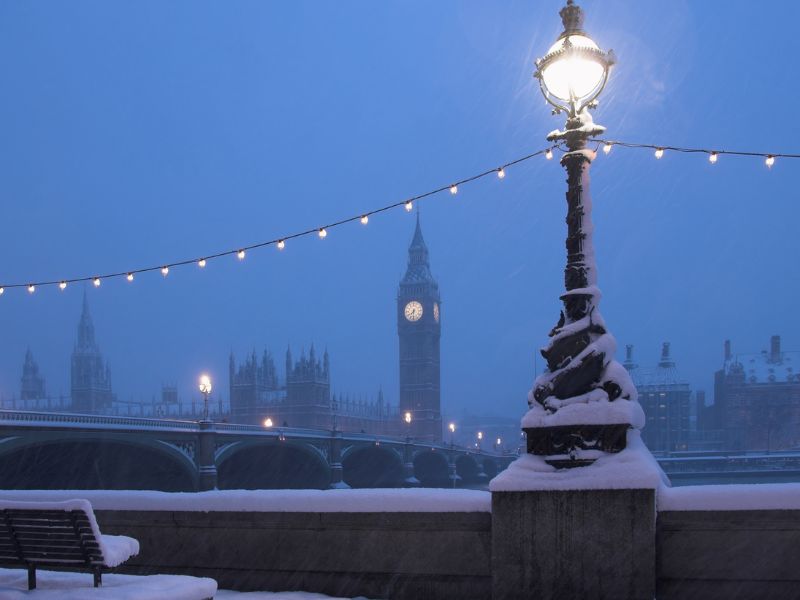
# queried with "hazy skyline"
point(134, 135)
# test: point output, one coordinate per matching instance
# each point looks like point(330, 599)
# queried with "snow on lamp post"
point(205, 389)
point(585, 402)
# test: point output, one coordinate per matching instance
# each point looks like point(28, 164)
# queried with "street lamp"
point(581, 368)
point(480, 439)
point(268, 423)
point(205, 389)
point(407, 419)
point(452, 428)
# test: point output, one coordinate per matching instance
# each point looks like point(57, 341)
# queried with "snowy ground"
point(53, 585)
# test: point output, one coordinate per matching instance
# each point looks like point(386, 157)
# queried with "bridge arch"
point(272, 465)
point(431, 468)
point(372, 466)
point(490, 467)
point(468, 469)
point(95, 462)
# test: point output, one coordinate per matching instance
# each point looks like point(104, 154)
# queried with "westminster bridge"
point(47, 450)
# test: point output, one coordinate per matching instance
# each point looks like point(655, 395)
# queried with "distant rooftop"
point(767, 366)
point(665, 374)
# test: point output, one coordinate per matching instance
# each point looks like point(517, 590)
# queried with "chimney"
point(727, 350)
point(629, 364)
point(775, 349)
point(665, 361)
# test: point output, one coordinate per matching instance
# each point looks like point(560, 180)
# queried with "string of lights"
point(408, 204)
point(280, 242)
point(713, 155)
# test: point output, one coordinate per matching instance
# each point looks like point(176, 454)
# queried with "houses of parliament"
point(302, 396)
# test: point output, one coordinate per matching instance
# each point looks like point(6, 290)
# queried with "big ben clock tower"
point(419, 329)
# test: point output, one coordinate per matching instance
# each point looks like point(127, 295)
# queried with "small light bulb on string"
point(2, 291)
point(501, 173)
point(129, 277)
point(201, 263)
point(409, 206)
point(282, 244)
point(607, 148)
point(31, 288)
point(659, 152)
point(323, 233)
point(165, 271)
point(364, 220)
point(240, 255)
point(712, 158)
point(549, 154)
point(770, 160)
point(96, 282)
point(454, 189)
point(62, 285)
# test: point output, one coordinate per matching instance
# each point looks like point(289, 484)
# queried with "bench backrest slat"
point(48, 538)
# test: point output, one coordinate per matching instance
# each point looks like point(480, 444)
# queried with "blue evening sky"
point(134, 133)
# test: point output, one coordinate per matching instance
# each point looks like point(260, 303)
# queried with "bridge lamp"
point(205, 389)
point(452, 428)
point(267, 422)
point(407, 417)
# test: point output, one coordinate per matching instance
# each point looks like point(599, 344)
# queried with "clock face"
point(436, 311)
point(413, 311)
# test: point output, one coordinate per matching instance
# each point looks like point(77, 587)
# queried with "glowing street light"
point(205, 389)
point(571, 75)
point(268, 423)
point(452, 428)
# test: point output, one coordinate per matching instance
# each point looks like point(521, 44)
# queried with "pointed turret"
point(419, 269)
point(85, 327)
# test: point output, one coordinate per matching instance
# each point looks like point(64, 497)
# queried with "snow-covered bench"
point(61, 536)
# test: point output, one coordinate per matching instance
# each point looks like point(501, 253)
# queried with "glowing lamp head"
point(452, 427)
point(501, 173)
point(240, 255)
point(281, 244)
point(205, 384)
point(202, 263)
point(770, 160)
point(409, 206)
point(364, 219)
point(407, 417)
point(499, 441)
point(165, 271)
point(454, 189)
point(480, 435)
point(659, 152)
point(267, 422)
point(62, 285)
point(575, 70)
point(129, 277)
point(96, 282)
point(323, 233)
point(31, 288)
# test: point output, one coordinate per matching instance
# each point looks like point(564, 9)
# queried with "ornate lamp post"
point(205, 389)
point(585, 401)
point(452, 428)
point(206, 442)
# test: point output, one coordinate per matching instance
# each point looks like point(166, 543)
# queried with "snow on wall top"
point(761, 496)
point(633, 468)
point(362, 500)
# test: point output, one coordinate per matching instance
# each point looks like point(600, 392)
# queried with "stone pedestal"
point(586, 544)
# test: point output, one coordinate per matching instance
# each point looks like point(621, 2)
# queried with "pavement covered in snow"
point(53, 585)
point(361, 500)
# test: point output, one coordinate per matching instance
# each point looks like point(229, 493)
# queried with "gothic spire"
point(419, 269)
point(86, 326)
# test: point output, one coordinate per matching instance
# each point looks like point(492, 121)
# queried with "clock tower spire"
point(419, 329)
